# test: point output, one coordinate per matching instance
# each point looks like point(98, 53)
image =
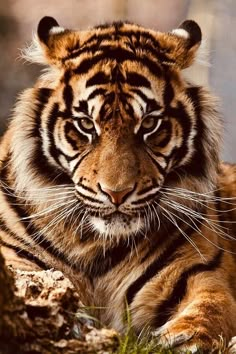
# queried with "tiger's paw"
point(186, 337)
point(181, 341)
point(232, 346)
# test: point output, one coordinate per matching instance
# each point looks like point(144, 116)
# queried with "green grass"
point(130, 344)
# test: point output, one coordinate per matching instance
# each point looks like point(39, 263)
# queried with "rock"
point(39, 314)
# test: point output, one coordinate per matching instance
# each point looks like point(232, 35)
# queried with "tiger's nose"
point(117, 197)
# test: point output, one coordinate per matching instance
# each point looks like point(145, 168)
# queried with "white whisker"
point(174, 222)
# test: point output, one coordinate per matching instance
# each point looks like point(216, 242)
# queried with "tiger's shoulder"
point(226, 192)
point(227, 178)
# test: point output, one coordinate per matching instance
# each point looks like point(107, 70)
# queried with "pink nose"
point(117, 197)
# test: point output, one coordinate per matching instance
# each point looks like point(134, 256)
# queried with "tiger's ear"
point(181, 44)
point(51, 44)
point(46, 28)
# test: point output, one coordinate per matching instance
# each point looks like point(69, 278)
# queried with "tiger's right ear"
point(51, 44)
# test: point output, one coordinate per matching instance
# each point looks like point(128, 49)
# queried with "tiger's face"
point(119, 142)
point(121, 122)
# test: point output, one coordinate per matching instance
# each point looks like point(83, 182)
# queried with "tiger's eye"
point(87, 123)
point(149, 123)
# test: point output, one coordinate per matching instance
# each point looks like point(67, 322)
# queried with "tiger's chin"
point(117, 225)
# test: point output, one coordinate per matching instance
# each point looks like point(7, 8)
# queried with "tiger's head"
point(116, 117)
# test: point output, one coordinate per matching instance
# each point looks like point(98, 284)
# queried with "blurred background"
point(217, 18)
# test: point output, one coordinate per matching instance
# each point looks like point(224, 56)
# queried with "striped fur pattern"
point(110, 172)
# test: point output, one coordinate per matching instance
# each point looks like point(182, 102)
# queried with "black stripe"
point(147, 189)
point(159, 154)
point(99, 78)
point(168, 255)
point(93, 200)
point(197, 166)
point(86, 188)
point(78, 163)
point(156, 163)
point(74, 142)
point(105, 261)
point(165, 309)
point(141, 94)
point(52, 119)
point(152, 104)
point(9, 232)
point(156, 266)
point(166, 127)
point(26, 255)
point(70, 158)
point(146, 199)
point(119, 55)
point(39, 162)
point(41, 167)
point(42, 98)
point(97, 92)
point(135, 79)
point(68, 98)
point(168, 92)
point(66, 77)
point(82, 107)
point(184, 120)
point(54, 151)
point(165, 231)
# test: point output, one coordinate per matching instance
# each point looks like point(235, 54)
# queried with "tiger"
point(110, 172)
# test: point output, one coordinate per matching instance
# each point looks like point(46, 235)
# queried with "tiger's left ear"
point(46, 28)
point(181, 44)
point(55, 40)
point(51, 44)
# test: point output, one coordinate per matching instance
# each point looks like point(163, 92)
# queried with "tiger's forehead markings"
point(119, 44)
point(116, 76)
point(109, 85)
point(119, 55)
point(119, 86)
point(129, 36)
point(99, 78)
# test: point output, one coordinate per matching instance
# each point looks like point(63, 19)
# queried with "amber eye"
point(149, 123)
point(86, 125)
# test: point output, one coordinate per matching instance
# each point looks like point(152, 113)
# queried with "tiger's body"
point(110, 172)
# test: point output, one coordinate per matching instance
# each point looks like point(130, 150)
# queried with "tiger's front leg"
point(205, 321)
